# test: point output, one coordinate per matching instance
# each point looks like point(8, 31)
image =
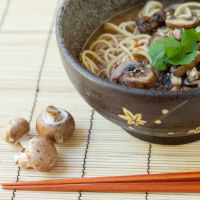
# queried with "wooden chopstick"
point(179, 187)
point(170, 177)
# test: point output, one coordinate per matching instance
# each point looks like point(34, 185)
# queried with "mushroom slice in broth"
point(134, 74)
point(143, 78)
point(182, 22)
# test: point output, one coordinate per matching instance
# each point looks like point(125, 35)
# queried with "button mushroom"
point(182, 22)
point(40, 154)
point(15, 131)
point(56, 124)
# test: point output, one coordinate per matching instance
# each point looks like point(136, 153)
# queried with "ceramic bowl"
point(154, 116)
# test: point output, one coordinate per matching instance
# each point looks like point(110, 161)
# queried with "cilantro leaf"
point(188, 39)
point(173, 52)
point(184, 60)
point(159, 61)
point(193, 33)
point(157, 53)
point(195, 47)
point(172, 46)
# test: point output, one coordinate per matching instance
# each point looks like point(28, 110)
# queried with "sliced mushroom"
point(15, 131)
point(180, 71)
point(118, 70)
point(192, 75)
point(134, 74)
point(143, 78)
point(149, 24)
point(175, 81)
point(144, 24)
point(156, 37)
point(180, 22)
point(177, 33)
point(40, 154)
point(56, 124)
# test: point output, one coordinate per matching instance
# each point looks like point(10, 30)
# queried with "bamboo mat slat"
point(2, 8)
point(29, 15)
point(71, 153)
point(184, 158)
point(29, 60)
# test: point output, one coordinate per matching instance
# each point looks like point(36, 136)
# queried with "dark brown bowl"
point(154, 116)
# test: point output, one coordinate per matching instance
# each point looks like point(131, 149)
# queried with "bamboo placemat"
point(32, 77)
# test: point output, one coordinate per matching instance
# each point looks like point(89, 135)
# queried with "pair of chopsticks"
point(173, 182)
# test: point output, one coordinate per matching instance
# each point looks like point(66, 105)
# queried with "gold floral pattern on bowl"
point(135, 120)
point(195, 131)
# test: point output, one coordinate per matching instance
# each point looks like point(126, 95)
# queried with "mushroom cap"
point(58, 131)
point(119, 69)
point(41, 154)
point(15, 129)
point(143, 78)
point(134, 74)
point(175, 22)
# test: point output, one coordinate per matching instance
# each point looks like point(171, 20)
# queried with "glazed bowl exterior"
point(154, 116)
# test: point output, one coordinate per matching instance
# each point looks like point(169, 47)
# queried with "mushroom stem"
point(22, 161)
point(53, 114)
point(55, 123)
point(23, 140)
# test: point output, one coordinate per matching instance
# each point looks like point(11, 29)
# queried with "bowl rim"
point(87, 74)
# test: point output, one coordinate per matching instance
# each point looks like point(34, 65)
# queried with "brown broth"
point(131, 14)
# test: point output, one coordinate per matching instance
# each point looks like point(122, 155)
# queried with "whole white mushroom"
point(56, 124)
point(40, 154)
point(15, 131)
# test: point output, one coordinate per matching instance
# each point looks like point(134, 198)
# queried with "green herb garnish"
point(170, 51)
